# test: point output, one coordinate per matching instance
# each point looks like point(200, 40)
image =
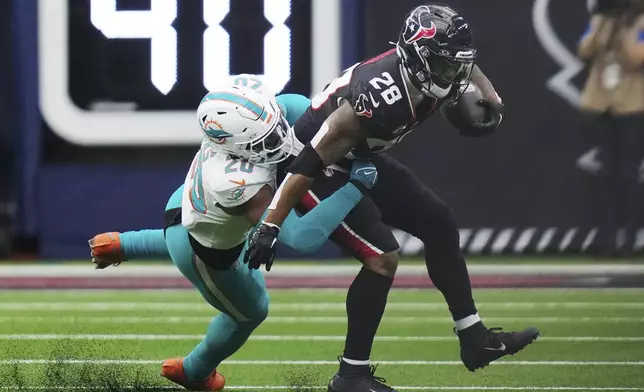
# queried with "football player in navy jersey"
point(369, 108)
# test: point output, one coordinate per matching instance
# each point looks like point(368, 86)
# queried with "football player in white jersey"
point(226, 192)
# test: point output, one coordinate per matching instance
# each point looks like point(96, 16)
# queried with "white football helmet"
point(245, 123)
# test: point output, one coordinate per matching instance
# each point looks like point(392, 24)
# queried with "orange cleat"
point(106, 250)
point(172, 369)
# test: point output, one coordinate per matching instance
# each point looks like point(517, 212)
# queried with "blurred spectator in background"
point(613, 101)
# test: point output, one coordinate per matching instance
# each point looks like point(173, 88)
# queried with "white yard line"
point(322, 387)
point(27, 270)
point(190, 293)
point(313, 362)
point(55, 319)
point(303, 306)
point(141, 295)
point(299, 338)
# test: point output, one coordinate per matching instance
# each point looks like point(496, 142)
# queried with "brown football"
point(466, 111)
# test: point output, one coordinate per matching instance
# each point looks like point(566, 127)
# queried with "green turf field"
point(56, 340)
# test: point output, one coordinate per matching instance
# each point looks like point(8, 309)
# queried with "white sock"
point(467, 322)
point(355, 362)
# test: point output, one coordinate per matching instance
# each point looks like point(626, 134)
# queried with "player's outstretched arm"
point(335, 139)
point(113, 248)
point(309, 232)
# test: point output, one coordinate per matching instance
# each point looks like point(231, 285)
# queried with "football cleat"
point(106, 250)
point(172, 369)
point(481, 346)
point(368, 383)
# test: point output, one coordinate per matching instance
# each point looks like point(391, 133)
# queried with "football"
point(466, 111)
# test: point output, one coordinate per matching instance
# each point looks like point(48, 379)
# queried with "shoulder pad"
point(293, 106)
point(379, 95)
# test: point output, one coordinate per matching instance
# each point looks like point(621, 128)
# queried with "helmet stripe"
point(239, 100)
point(217, 134)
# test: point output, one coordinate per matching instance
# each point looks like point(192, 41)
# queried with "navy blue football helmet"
point(437, 50)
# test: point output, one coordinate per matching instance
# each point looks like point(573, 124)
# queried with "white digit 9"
point(155, 24)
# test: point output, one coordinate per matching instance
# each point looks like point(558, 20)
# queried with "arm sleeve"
point(293, 106)
point(307, 233)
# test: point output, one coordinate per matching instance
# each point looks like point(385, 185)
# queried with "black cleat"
point(367, 383)
point(481, 345)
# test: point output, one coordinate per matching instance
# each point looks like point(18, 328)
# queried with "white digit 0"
point(155, 24)
point(216, 43)
point(277, 44)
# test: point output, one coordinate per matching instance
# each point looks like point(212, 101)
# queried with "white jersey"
point(216, 180)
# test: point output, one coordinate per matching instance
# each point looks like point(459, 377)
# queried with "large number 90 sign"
point(156, 24)
point(94, 70)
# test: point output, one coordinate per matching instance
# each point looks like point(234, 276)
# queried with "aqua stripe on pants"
point(238, 293)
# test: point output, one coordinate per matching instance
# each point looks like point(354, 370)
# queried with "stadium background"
point(86, 165)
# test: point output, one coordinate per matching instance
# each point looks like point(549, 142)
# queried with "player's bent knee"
point(384, 264)
point(438, 218)
point(438, 230)
point(259, 313)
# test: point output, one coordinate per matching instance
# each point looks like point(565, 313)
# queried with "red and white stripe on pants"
point(343, 235)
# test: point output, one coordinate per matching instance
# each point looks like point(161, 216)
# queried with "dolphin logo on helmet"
point(218, 135)
point(245, 123)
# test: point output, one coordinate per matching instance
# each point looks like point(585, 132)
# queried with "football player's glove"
point(105, 250)
point(495, 113)
point(364, 175)
point(495, 110)
point(261, 246)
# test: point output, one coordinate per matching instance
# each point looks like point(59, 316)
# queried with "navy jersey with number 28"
point(380, 96)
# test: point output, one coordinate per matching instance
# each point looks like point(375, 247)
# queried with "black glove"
point(261, 246)
point(495, 110)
